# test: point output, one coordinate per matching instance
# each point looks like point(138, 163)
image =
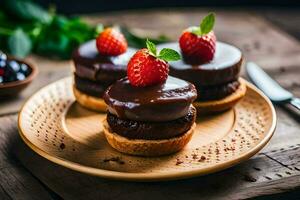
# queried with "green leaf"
point(207, 23)
point(56, 46)
point(151, 47)
point(137, 41)
point(169, 54)
point(59, 22)
point(27, 10)
point(69, 34)
point(19, 44)
point(99, 28)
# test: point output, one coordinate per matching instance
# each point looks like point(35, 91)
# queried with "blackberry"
point(20, 76)
point(14, 65)
point(3, 56)
point(25, 69)
point(9, 74)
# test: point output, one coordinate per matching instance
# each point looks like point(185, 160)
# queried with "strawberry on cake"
point(98, 64)
point(212, 66)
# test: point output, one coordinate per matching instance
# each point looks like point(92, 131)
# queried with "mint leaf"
point(169, 55)
point(207, 23)
point(19, 44)
point(151, 47)
point(27, 10)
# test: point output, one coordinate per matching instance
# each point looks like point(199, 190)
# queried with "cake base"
point(140, 147)
point(220, 105)
point(89, 102)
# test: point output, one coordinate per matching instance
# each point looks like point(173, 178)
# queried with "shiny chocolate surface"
point(91, 65)
point(162, 102)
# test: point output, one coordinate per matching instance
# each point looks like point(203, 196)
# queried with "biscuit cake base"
point(140, 147)
point(89, 102)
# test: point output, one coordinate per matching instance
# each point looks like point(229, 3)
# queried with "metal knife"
point(270, 87)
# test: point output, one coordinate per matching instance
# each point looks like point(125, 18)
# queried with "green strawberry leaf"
point(169, 55)
point(207, 23)
point(151, 47)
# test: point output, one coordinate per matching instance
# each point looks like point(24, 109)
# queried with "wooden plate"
point(59, 129)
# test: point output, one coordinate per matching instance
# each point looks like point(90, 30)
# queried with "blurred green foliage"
point(26, 27)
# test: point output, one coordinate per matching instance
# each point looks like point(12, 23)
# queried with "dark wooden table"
point(276, 169)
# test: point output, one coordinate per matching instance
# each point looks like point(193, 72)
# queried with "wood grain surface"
point(16, 182)
point(274, 170)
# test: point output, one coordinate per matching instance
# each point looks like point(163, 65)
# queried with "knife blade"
point(270, 87)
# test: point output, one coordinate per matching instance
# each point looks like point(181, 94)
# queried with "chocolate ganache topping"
point(91, 65)
point(224, 67)
point(162, 102)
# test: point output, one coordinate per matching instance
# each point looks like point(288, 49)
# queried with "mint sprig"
point(206, 25)
point(169, 54)
point(165, 54)
point(151, 47)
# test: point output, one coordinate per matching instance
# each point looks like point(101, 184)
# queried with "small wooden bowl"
point(13, 88)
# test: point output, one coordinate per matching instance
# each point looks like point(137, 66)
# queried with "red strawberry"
point(111, 42)
point(144, 69)
point(147, 68)
point(198, 44)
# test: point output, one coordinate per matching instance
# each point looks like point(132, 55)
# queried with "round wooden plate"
point(59, 129)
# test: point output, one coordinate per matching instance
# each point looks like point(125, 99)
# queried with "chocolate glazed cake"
point(150, 121)
point(217, 82)
point(95, 72)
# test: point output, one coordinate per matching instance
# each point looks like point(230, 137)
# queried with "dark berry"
point(9, 74)
point(2, 63)
point(3, 56)
point(20, 76)
point(25, 69)
point(14, 65)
